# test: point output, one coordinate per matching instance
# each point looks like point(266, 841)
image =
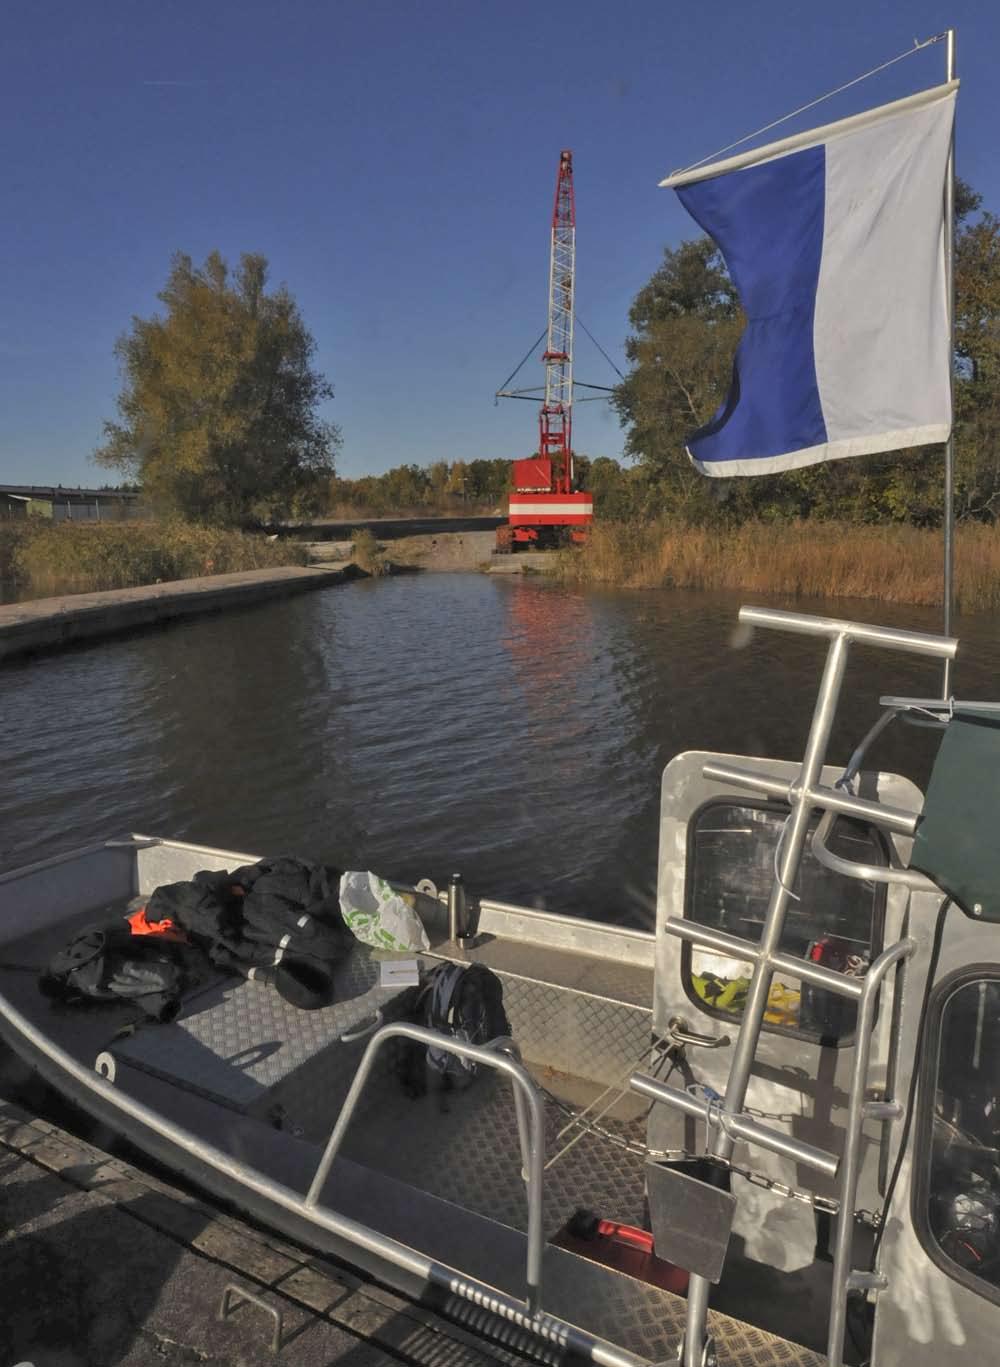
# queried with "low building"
point(68, 504)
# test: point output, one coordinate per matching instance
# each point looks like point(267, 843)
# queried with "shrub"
point(61, 557)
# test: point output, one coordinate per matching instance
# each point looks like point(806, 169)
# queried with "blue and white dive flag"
point(835, 241)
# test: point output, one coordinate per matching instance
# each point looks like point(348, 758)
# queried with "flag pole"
point(949, 450)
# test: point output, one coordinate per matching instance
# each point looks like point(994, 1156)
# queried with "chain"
point(824, 1204)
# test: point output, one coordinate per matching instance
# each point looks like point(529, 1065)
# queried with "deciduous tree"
point(218, 413)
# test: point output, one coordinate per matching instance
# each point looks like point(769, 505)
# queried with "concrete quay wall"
point(52, 623)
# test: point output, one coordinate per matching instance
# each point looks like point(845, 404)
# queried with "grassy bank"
point(62, 557)
point(807, 559)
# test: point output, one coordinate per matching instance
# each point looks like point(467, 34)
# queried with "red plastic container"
point(625, 1248)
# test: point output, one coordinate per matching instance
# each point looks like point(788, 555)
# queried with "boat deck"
point(439, 1172)
point(240, 1046)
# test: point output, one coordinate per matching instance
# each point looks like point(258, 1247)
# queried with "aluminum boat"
point(792, 1082)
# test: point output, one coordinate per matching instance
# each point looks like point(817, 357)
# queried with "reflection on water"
point(513, 730)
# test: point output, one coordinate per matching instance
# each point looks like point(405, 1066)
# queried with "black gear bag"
point(461, 1000)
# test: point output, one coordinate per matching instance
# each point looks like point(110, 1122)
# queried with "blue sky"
point(395, 162)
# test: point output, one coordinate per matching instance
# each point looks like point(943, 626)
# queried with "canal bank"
point(440, 553)
point(52, 623)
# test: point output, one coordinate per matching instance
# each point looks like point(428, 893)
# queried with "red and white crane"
point(545, 506)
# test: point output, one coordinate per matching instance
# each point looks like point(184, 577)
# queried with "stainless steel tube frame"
point(532, 1144)
point(722, 1137)
point(912, 642)
point(550, 1328)
point(868, 873)
point(707, 937)
point(850, 1162)
point(737, 1126)
point(816, 795)
point(803, 796)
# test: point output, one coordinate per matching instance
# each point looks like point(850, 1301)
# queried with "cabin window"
point(732, 848)
point(958, 1189)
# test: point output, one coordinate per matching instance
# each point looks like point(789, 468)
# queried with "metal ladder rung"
point(817, 795)
point(706, 937)
point(739, 1126)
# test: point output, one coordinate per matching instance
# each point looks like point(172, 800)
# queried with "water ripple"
point(514, 730)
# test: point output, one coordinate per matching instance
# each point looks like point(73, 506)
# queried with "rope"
point(802, 109)
point(716, 1116)
point(599, 347)
point(527, 357)
point(777, 857)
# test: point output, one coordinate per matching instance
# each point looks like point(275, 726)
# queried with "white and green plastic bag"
point(378, 916)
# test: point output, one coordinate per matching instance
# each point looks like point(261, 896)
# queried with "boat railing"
point(501, 1056)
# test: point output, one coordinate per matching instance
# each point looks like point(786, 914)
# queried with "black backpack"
point(463, 1000)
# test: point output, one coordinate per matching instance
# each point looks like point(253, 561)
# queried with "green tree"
point(685, 323)
point(487, 481)
point(437, 476)
point(218, 410)
point(406, 486)
point(618, 493)
point(458, 480)
point(977, 388)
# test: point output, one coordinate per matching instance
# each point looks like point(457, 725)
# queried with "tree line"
point(220, 410)
point(483, 485)
point(440, 487)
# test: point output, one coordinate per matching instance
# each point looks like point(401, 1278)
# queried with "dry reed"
point(894, 564)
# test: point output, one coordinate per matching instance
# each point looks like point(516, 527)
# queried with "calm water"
point(512, 730)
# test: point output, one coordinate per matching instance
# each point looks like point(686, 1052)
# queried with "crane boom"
point(555, 421)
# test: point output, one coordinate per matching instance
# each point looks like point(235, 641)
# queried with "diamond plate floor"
point(650, 1323)
point(237, 1040)
point(464, 1148)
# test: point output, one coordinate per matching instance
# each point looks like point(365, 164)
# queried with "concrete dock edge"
point(47, 624)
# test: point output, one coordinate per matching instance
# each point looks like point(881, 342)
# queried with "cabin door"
point(717, 858)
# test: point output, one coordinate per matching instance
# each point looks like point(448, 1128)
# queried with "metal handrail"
point(532, 1142)
point(816, 795)
point(868, 873)
point(551, 1328)
point(850, 1161)
point(847, 1168)
point(890, 638)
point(739, 1126)
point(707, 937)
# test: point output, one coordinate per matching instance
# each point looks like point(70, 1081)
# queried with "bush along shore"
point(894, 564)
point(43, 557)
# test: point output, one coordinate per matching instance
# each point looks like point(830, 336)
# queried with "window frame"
point(924, 1129)
point(878, 919)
